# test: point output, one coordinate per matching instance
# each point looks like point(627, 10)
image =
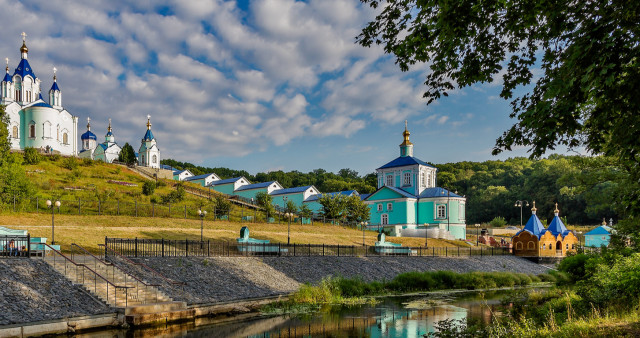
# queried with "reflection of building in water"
point(416, 323)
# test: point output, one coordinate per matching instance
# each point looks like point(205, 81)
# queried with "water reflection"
point(392, 317)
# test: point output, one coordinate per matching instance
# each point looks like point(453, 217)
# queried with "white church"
point(32, 121)
point(50, 128)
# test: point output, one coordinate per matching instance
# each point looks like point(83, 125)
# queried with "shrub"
point(545, 277)
point(31, 156)
point(174, 196)
point(54, 158)
point(498, 222)
point(70, 163)
point(562, 278)
point(148, 188)
point(87, 162)
point(574, 266)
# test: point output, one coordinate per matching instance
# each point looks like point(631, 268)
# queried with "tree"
point(31, 156)
point(357, 210)
point(333, 206)
point(589, 56)
point(305, 211)
point(127, 155)
point(13, 180)
point(291, 207)
point(5, 141)
point(221, 205)
point(265, 201)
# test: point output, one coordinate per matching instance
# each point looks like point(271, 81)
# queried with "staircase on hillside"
point(106, 281)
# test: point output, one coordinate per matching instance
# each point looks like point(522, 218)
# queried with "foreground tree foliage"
point(588, 52)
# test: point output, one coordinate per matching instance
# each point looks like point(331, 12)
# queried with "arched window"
point(519, 246)
point(531, 245)
point(46, 129)
point(389, 180)
point(379, 206)
point(154, 159)
point(385, 219)
point(142, 157)
point(15, 132)
point(65, 138)
point(407, 179)
point(428, 179)
point(32, 130)
point(543, 246)
point(442, 211)
point(389, 206)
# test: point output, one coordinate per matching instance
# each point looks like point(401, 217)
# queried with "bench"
point(248, 245)
point(383, 247)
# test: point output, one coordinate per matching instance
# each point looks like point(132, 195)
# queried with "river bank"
point(35, 292)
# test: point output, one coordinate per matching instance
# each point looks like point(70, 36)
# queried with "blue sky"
point(255, 85)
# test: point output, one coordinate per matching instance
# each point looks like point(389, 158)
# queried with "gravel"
point(33, 291)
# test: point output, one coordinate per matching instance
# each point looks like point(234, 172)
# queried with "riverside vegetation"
point(339, 290)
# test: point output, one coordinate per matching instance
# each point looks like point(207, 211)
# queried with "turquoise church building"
point(598, 237)
point(408, 198)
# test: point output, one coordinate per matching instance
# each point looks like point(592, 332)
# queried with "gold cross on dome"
point(7, 59)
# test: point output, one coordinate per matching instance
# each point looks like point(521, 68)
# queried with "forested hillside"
point(584, 187)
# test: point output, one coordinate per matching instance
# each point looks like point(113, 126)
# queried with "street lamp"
point(521, 203)
point(362, 225)
point(426, 235)
point(477, 234)
point(53, 206)
point(201, 213)
point(288, 215)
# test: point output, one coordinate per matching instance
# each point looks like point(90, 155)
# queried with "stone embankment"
point(31, 290)
point(218, 279)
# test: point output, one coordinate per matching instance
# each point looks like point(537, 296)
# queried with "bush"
point(31, 156)
point(87, 162)
point(498, 222)
point(545, 277)
point(562, 278)
point(174, 196)
point(574, 266)
point(70, 163)
point(148, 188)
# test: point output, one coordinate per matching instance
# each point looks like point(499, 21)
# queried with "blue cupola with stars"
point(88, 139)
point(55, 96)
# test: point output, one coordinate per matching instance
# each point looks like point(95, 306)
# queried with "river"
point(402, 316)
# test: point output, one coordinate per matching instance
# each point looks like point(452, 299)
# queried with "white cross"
point(148, 117)
point(24, 36)
point(405, 124)
point(88, 120)
point(7, 59)
point(55, 70)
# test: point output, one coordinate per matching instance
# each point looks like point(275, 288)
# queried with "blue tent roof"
point(599, 231)
point(437, 192)
point(255, 186)
point(55, 86)
point(557, 227)
point(404, 161)
point(148, 136)
point(534, 226)
point(7, 78)
point(291, 190)
point(88, 136)
point(226, 181)
point(24, 69)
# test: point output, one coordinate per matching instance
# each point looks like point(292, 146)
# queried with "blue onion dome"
point(88, 135)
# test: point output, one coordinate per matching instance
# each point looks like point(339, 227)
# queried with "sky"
point(256, 85)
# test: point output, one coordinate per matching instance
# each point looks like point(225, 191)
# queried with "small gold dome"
point(534, 206)
point(556, 211)
point(24, 48)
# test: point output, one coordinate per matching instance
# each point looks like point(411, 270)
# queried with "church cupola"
point(148, 136)
point(24, 50)
point(534, 209)
point(109, 138)
point(7, 85)
point(88, 139)
point(55, 96)
point(406, 148)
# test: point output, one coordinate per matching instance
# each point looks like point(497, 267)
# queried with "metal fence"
point(138, 247)
point(12, 246)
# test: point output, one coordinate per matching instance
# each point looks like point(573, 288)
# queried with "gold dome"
point(534, 206)
point(406, 134)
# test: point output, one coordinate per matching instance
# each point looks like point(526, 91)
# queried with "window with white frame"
point(406, 179)
point(441, 211)
point(155, 159)
point(389, 206)
point(389, 181)
point(428, 179)
point(379, 206)
point(32, 130)
point(385, 219)
point(423, 179)
point(461, 211)
point(15, 132)
point(65, 138)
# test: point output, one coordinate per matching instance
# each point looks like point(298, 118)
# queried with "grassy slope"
point(51, 179)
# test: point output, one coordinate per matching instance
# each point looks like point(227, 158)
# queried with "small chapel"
point(408, 198)
point(536, 241)
point(46, 126)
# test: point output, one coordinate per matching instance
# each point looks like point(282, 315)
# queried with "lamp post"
point(426, 235)
point(362, 225)
point(53, 206)
point(288, 216)
point(201, 213)
point(521, 203)
point(477, 234)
